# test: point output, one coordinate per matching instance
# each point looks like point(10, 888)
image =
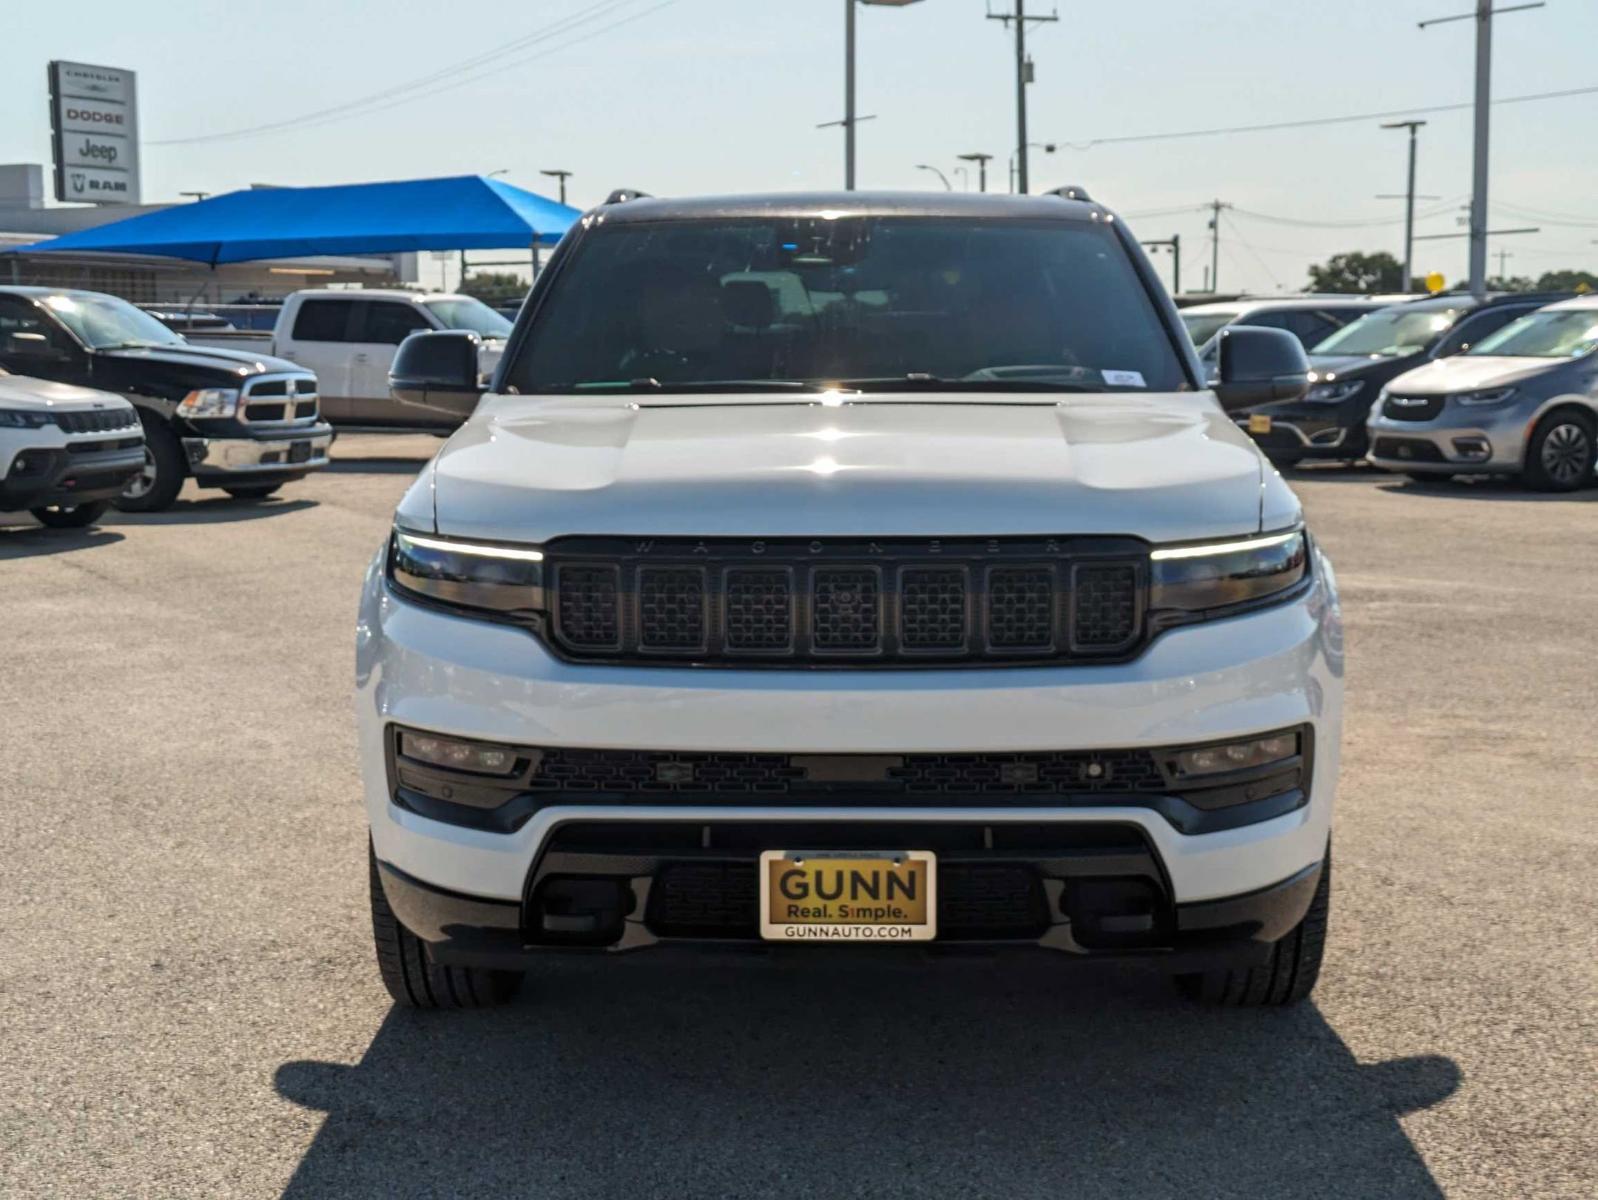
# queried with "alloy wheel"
point(1564, 453)
point(144, 480)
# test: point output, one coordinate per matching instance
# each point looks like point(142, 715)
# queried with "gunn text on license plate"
point(848, 896)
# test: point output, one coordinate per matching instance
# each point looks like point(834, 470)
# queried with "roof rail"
point(1070, 191)
point(622, 195)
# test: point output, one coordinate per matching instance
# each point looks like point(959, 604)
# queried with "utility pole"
point(1215, 207)
point(850, 120)
point(1023, 76)
point(1409, 203)
point(1483, 17)
point(982, 168)
point(1503, 264)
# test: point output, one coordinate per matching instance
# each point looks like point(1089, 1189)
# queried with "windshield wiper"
point(651, 384)
point(921, 381)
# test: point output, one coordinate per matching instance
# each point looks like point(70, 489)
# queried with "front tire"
point(253, 491)
point(414, 979)
point(1284, 460)
point(1286, 977)
point(157, 486)
point(1560, 453)
point(71, 516)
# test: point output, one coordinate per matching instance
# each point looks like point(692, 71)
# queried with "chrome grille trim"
point(280, 399)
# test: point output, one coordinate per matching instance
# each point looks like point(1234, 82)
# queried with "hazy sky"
point(724, 95)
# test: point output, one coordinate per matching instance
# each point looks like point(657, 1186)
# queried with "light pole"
point(981, 161)
point(1046, 147)
point(850, 120)
point(938, 173)
point(965, 178)
point(563, 176)
point(1409, 202)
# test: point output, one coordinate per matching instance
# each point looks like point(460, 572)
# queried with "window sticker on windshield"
point(1123, 378)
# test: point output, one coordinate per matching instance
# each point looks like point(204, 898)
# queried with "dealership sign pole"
point(94, 131)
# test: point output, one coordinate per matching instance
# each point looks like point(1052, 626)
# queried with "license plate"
point(299, 452)
point(847, 896)
point(1258, 423)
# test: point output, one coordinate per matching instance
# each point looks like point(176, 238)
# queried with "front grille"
point(643, 775)
point(97, 420)
point(279, 399)
point(128, 443)
point(722, 899)
point(1408, 449)
point(1412, 408)
point(847, 602)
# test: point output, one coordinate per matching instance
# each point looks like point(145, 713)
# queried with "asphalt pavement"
point(189, 1005)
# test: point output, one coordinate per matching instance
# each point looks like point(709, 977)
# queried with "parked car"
point(227, 419)
point(348, 339)
point(1522, 401)
point(1351, 367)
point(1311, 319)
point(65, 451)
point(849, 568)
point(183, 321)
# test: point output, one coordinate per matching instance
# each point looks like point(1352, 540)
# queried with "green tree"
point(494, 287)
point(1510, 283)
point(1358, 272)
point(1567, 281)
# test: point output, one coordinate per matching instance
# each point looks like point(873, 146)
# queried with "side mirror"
point(438, 371)
point(1258, 365)
point(31, 347)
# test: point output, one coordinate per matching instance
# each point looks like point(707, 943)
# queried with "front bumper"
point(281, 454)
point(73, 472)
point(1458, 441)
point(1224, 679)
point(1309, 433)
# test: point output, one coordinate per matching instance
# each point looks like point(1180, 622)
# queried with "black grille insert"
point(1412, 408)
point(848, 601)
point(97, 420)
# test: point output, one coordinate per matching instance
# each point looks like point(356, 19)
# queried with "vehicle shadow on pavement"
point(377, 466)
point(33, 541)
point(1488, 489)
point(222, 510)
point(634, 1079)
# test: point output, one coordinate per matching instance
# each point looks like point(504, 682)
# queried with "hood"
point(240, 363)
point(43, 395)
point(1468, 372)
point(1161, 467)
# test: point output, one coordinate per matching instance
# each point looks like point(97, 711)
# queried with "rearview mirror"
point(1258, 365)
point(438, 370)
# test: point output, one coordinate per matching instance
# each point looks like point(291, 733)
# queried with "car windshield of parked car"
point(471, 314)
point(811, 302)
point(1566, 333)
point(1389, 332)
point(106, 323)
point(1201, 327)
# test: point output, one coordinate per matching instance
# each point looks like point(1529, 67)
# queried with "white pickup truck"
point(347, 338)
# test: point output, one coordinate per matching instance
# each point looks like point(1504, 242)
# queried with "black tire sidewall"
point(170, 467)
point(1534, 475)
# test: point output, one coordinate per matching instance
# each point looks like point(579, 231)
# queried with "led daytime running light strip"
point(427, 543)
point(1212, 548)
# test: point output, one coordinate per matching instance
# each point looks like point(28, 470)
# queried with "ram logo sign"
point(94, 129)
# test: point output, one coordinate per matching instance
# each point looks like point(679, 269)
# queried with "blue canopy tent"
point(462, 212)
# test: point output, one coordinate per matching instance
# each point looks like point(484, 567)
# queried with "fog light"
point(1234, 756)
point(1473, 449)
point(478, 757)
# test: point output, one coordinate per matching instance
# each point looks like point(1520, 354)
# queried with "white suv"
point(852, 568)
point(65, 452)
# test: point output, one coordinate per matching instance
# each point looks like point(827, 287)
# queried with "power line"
point(1299, 222)
point(1315, 121)
point(413, 89)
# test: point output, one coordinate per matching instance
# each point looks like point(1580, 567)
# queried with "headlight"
point(483, 577)
point(1334, 393)
point(1232, 756)
point(1488, 396)
point(24, 418)
point(1191, 580)
point(210, 402)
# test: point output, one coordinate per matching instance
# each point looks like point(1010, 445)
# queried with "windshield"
point(104, 322)
point(977, 304)
point(468, 313)
point(1569, 333)
point(1389, 332)
point(1201, 327)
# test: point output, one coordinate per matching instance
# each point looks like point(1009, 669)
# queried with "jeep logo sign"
point(94, 133)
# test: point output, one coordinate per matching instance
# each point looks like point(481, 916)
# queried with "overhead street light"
point(563, 176)
point(938, 173)
point(849, 118)
point(1046, 147)
point(982, 167)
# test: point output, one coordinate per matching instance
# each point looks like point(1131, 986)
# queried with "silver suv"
point(1522, 401)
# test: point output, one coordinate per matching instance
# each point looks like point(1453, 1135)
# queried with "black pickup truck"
point(230, 419)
